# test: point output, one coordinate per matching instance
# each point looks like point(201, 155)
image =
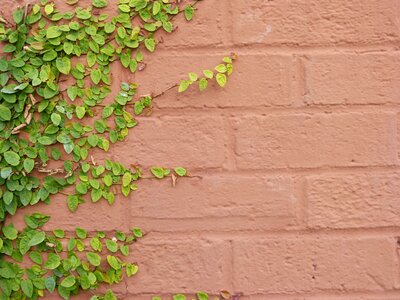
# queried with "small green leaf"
point(100, 3)
point(158, 172)
point(131, 269)
point(221, 79)
point(80, 112)
point(202, 296)
point(72, 202)
point(193, 77)
point(93, 258)
point(50, 284)
point(5, 113)
point(81, 233)
point(10, 232)
point(203, 83)
point(208, 73)
point(189, 12)
point(156, 8)
point(113, 262)
point(126, 179)
point(95, 75)
point(56, 119)
point(183, 86)
point(12, 158)
point(180, 171)
point(53, 261)
point(68, 281)
point(150, 44)
point(221, 68)
point(63, 65)
point(29, 164)
point(27, 287)
point(112, 246)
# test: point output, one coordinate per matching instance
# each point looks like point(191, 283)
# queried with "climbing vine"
point(55, 107)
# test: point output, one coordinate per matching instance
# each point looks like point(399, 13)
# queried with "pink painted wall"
point(297, 158)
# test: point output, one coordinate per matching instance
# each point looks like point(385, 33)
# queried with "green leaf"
point(27, 287)
point(158, 172)
point(56, 119)
point(93, 140)
point(68, 281)
point(96, 194)
point(81, 233)
point(50, 284)
point(37, 238)
point(179, 297)
point(72, 92)
point(59, 233)
point(156, 8)
point(126, 179)
point(93, 258)
point(131, 269)
point(36, 257)
point(12, 158)
point(53, 32)
point(48, 9)
point(91, 59)
point(107, 112)
point(183, 86)
point(208, 73)
point(53, 261)
point(5, 113)
point(189, 12)
point(10, 232)
point(180, 171)
point(45, 140)
point(95, 75)
point(80, 112)
point(18, 15)
point(107, 180)
point(193, 77)
point(100, 3)
point(203, 83)
point(96, 244)
point(29, 164)
point(137, 232)
point(150, 44)
point(202, 296)
point(72, 202)
point(221, 68)
point(112, 246)
point(63, 65)
point(68, 48)
point(221, 79)
point(113, 262)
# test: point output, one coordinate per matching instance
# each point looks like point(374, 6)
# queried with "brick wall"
point(297, 194)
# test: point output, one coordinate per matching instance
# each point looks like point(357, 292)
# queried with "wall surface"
point(297, 187)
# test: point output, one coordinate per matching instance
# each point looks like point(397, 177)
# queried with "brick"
point(315, 22)
point(314, 140)
point(196, 142)
point(104, 219)
point(216, 202)
point(299, 265)
point(258, 80)
point(354, 200)
point(352, 79)
point(180, 265)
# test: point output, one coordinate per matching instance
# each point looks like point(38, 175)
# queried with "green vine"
point(47, 132)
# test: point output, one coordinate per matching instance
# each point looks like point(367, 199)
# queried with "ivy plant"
point(55, 108)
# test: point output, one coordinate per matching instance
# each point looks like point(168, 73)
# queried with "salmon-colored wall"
point(297, 194)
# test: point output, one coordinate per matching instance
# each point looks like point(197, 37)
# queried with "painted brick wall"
point(298, 194)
